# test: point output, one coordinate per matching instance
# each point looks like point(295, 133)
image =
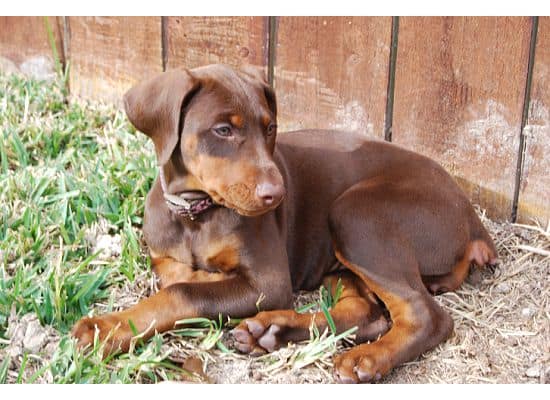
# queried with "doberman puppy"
point(237, 220)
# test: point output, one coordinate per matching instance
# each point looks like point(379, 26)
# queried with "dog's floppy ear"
point(154, 107)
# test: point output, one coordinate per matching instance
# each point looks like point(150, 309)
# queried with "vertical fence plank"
point(534, 197)
point(24, 37)
point(459, 82)
point(195, 41)
point(109, 54)
point(332, 72)
point(459, 95)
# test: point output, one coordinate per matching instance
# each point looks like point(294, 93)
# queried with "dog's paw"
point(258, 335)
point(360, 365)
point(115, 334)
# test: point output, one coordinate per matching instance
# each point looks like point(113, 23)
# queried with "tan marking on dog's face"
point(266, 120)
point(230, 167)
point(230, 183)
point(177, 182)
point(237, 121)
point(189, 142)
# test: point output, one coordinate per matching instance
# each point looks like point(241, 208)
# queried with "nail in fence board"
point(24, 37)
point(109, 54)
point(534, 196)
point(459, 93)
point(195, 41)
point(332, 72)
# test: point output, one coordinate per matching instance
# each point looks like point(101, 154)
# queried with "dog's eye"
point(271, 129)
point(223, 130)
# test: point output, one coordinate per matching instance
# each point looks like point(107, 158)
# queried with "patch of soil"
point(28, 338)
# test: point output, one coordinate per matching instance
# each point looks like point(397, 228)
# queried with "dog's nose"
point(270, 193)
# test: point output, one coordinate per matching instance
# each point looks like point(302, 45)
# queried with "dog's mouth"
point(244, 211)
point(239, 197)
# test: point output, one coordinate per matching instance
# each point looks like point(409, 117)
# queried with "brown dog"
point(235, 217)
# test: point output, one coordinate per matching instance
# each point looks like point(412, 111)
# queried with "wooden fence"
point(472, 93)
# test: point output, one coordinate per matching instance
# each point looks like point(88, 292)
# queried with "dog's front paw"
point(257, 335)
point(112, 331)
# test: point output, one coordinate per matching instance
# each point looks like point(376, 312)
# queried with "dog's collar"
point(188, 204)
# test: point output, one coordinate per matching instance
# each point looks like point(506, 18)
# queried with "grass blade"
point(53, 46)
point(22, 368)
point(4, 370)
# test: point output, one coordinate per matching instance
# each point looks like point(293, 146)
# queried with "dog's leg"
point(418, 324)
point(370, 239)
point(158, 313)
point(169, 272)
point(357, 306)
point(448, 282)
point(478, 252)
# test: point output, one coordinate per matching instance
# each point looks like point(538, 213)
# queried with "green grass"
point(321, 344)
point(327, 300)
point(210, 332)
point(65, 167)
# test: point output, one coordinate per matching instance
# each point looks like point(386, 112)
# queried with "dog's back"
point(319, 165)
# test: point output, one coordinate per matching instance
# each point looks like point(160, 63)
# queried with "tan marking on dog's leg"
point(157, 313)
point(415, 328)
point(448, 282)
point(481, 254)
point(477, 252)
point(170, 271)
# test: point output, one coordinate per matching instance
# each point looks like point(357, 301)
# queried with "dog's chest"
point(208, 248)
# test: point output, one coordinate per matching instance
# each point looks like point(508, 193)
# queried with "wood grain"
point(459, 84)
point(109, 54)
point(24, 37)
point(332, 72)
point(459, 92)
point(195, 41)
point(534, 197)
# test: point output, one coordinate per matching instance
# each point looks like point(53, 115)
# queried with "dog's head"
point(219, 126)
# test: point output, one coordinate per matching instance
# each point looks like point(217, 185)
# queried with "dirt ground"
point(502, 328)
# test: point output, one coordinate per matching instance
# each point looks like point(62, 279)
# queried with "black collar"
point(188, 204)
